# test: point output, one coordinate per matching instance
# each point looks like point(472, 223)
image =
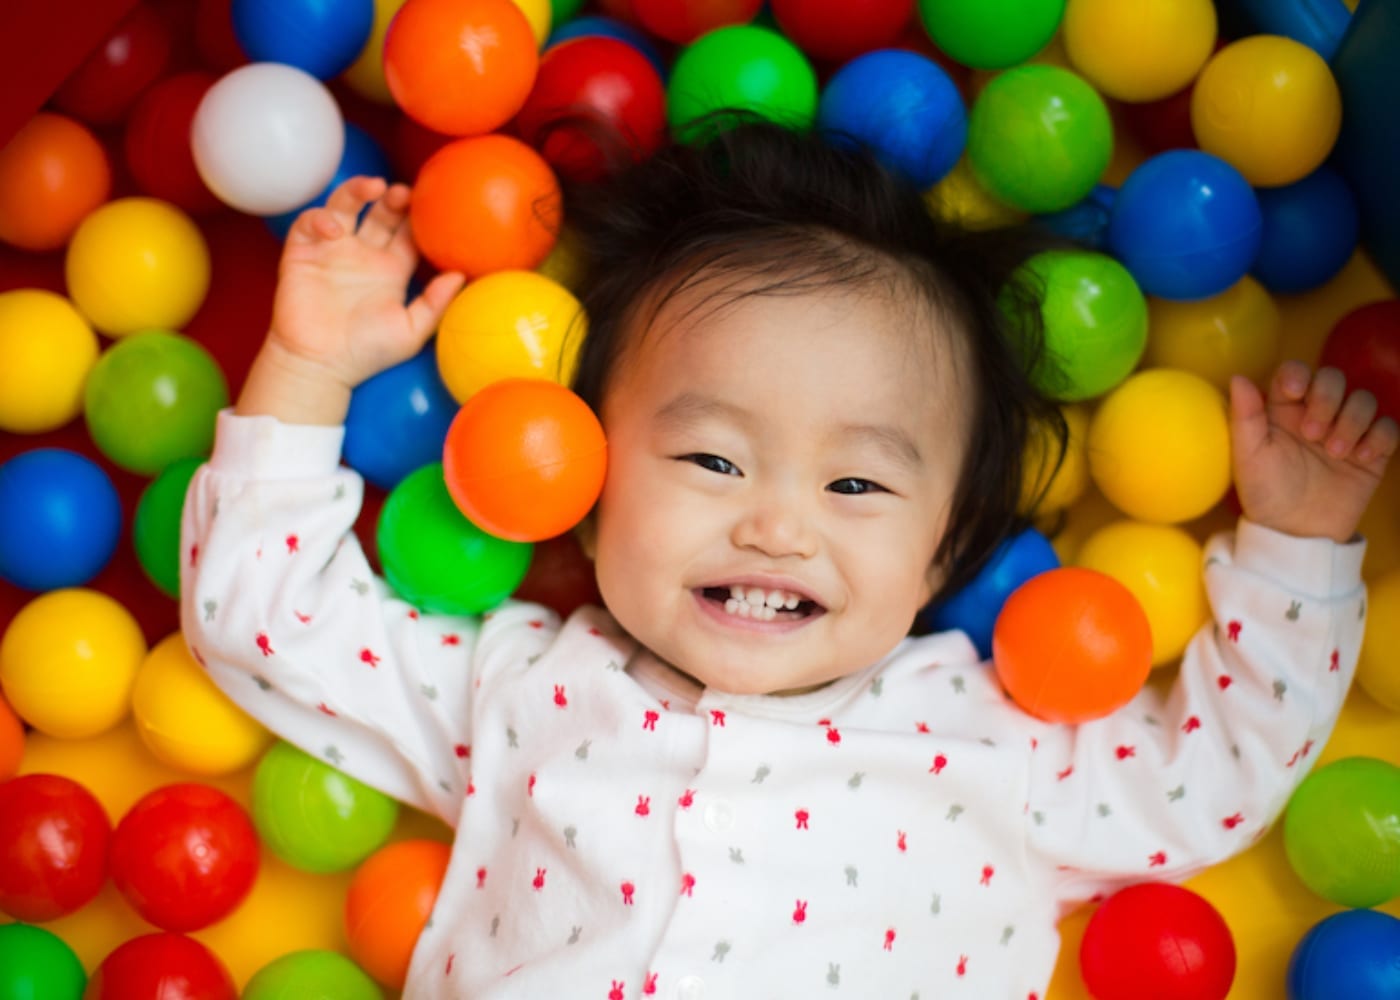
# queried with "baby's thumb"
point(1249, 419)
point(425, 312)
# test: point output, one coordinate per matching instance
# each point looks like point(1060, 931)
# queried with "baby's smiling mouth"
point(761, 604)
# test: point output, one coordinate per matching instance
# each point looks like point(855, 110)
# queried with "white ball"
point(267, 138)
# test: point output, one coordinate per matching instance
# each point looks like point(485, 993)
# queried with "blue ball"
point(902, 107)
point(1186, 224)
point(975, 607)
point(362, 158)
point(322, 37)
point(1311, 229)
point(398, 420)
point(1355, 953)
point(60, 519)
point(595, 25)
point(1086, 221)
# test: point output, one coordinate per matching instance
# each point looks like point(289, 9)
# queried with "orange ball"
point(525, 459)
point(11, 740)
point(53, 172)
point(389, 901)
point(461, 67)
point(1071, 645)
point(486, 204)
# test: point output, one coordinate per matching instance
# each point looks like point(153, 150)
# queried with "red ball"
point(1162, 124)
point(53, 847)
point(157, 143)
point(413, 146)
point(684, 21)
point(1365, 345)
point(614, 87)
point(838, 30)
point(215, 38)
point(161, 967)
point(184, 856)
point(105, 85)
point(1155, 941)
point(561, 576)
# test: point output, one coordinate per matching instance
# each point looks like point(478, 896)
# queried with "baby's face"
point(780, 474)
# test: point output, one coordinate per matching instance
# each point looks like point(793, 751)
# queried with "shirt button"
point(719, 816)
point(690, 988)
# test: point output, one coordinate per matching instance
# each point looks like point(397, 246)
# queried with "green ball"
point(152, 398)
point(991, 34)
point(314, 817)
point(1039, 138)
point(36, 964)
point(155, 530)
point(1095, 322)
point(438, 560)
point(1342, 831)
point(561, 11)
point(311, 975)
point(740, 68)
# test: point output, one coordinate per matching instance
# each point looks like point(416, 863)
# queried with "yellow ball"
point(1159, 446)
point(68, 660)
point(1270, 107)
point(46, 352)
point(1139, 50)
point(960, 198)
point(540, 14)
point(1161, 565)
point(1067, 483)
point(366, 74)
point(509, 324)
point(1234, 333)
point(1378, 671)
point(137, 264)
point(185, 720)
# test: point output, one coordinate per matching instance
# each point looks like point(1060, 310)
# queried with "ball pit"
point(60, 519)
point(53, 172)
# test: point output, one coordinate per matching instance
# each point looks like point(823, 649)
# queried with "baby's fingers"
point(1322, 403)
point(1357, 413)
point(347, 200)
point(1379, 443)
point(385, 216)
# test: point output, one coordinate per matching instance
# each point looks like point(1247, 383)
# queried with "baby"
point(741, 778)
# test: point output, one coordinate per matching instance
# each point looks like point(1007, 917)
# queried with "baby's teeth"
point(755, 595)
point(731, 606)
point(738, 593)
point(765, 613)
point(792, 602)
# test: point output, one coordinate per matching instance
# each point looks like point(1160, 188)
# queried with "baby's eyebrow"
point(896, 445)
point(691, 408)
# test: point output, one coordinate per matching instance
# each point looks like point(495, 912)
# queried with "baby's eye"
point(713, 463)
point(850, 486)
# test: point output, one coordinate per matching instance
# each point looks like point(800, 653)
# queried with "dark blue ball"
point(60, 519)
point(322, 37)
point(1352, 955)
point(1311, 229)
point(398, 420)
point(362, 158)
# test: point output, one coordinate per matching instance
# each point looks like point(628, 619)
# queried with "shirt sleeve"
point(281, 607)
point(1179, 780)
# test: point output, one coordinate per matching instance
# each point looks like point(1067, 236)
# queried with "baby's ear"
point(933, 582)
point(586, 533)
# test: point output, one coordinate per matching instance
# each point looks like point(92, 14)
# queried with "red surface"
point(53, 847)
point(161, 967)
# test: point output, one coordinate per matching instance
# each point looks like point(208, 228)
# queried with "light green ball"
point(312, 975)
point(991, 34)
point(1342, 831)
point(740, 68)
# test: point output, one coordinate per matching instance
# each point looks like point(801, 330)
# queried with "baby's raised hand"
point(1308, 458)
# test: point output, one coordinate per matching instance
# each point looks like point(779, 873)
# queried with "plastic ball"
point(361, 157)
point(53, 847)
point(398, 420)
point(598, 26)
point(975, 607)
point(366, 74)
point(991, 34)
point(135, 264)
point(1349, 954)
point(1052, 481)
point(460, 67)
point(1039, 138)
point(167, 966)
point(1155, 941)
point(1236, 332)
point(390, 899)
point(313, 974)
point(1186, 224)
point(902, 107)
point(152, 399)
point(1159, 446)
point(1378, 671)
point(11, 740)
point(510, 324)
point(119, 69)
point(564, 10)
point(435, 558)
point(315, 818)
point(184, 856)
point(1095, 322)
point(187, 722)
point(37, 963)
point(610, 82)
point(155, 529)
point(1365, 345)
point(157, 143)
point(485, 204)
point(561, 577)
point(267, 137)
point(60, 519)
point(1139, 50)
point(525, 459)
point(961, 199)
point(683, 21)
point(1162, 124)
point(1342, 831)
point(323, 38)
point(1161, 565)
point(1311, 229)
point(539, 14)
point(1072, 645)
point(46, 352)
point(1270, 107)
point(837, 31)
point(53, 173)
point(740, 68)
point(1086, 221)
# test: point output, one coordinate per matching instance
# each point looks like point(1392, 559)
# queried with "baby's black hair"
point(785, 212)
